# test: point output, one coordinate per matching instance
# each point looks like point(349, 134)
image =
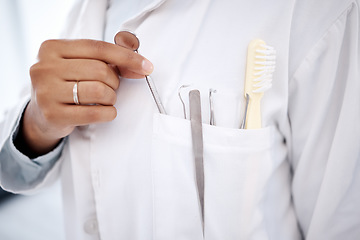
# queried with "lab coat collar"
point(87, 18)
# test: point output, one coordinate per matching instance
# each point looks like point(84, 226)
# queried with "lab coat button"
point(91, 226)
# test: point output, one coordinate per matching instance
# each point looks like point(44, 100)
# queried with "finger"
point(127, 39)
point(92, 49)
point(89, 92)
point(89, 70)
point(130, 41)
point(129, 74)
point(79, 115)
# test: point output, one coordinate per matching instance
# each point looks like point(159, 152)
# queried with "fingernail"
point(147, 66)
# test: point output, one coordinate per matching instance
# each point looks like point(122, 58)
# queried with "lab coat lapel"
point(86, 20)
point(132, 22)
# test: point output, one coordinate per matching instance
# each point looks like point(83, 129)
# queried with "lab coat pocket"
point(237, 165)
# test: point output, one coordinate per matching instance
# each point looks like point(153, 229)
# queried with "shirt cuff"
point(42, 160)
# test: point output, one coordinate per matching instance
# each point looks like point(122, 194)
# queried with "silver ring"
point(75, 94)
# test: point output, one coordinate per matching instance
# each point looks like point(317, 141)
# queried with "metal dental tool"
point(246, 110)
point(155, 94)
point(212, 116)
point(197, 144)
point(182, 101)
point(129, 40)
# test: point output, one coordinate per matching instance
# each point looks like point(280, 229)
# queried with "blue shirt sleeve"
point(17, 171)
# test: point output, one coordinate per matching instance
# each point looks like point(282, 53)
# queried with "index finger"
point(100, 50)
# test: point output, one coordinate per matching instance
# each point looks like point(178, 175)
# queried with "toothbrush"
point(259, 72)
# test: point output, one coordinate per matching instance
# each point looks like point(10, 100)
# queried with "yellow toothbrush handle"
point(253, 118)
point(260, 66)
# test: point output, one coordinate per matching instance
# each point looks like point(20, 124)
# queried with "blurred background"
point(24, 25)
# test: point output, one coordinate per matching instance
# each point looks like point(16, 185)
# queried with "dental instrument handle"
point(155, 94)
point(198, 147)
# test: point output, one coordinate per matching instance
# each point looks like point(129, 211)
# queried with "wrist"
point(31, 140)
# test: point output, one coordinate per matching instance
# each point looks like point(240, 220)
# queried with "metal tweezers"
point(198, 148)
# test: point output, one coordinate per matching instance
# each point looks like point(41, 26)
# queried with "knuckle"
point(117, 85)
point(101, 70)
point(98, 90)
point(116, 82)
point(113, 98)
point(97, 46)
point(48, 46)
point(41, 71)
point(34, 71)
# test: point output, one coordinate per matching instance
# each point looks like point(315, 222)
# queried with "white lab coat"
point(133, 178)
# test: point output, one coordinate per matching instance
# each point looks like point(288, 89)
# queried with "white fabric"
point(324, 110)
point(133, 178)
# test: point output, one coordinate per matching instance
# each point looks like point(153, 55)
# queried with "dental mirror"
point(127, 39)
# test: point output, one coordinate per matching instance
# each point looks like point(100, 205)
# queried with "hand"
point(51, 113)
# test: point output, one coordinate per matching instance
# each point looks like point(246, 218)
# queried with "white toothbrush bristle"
point(264, 68)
